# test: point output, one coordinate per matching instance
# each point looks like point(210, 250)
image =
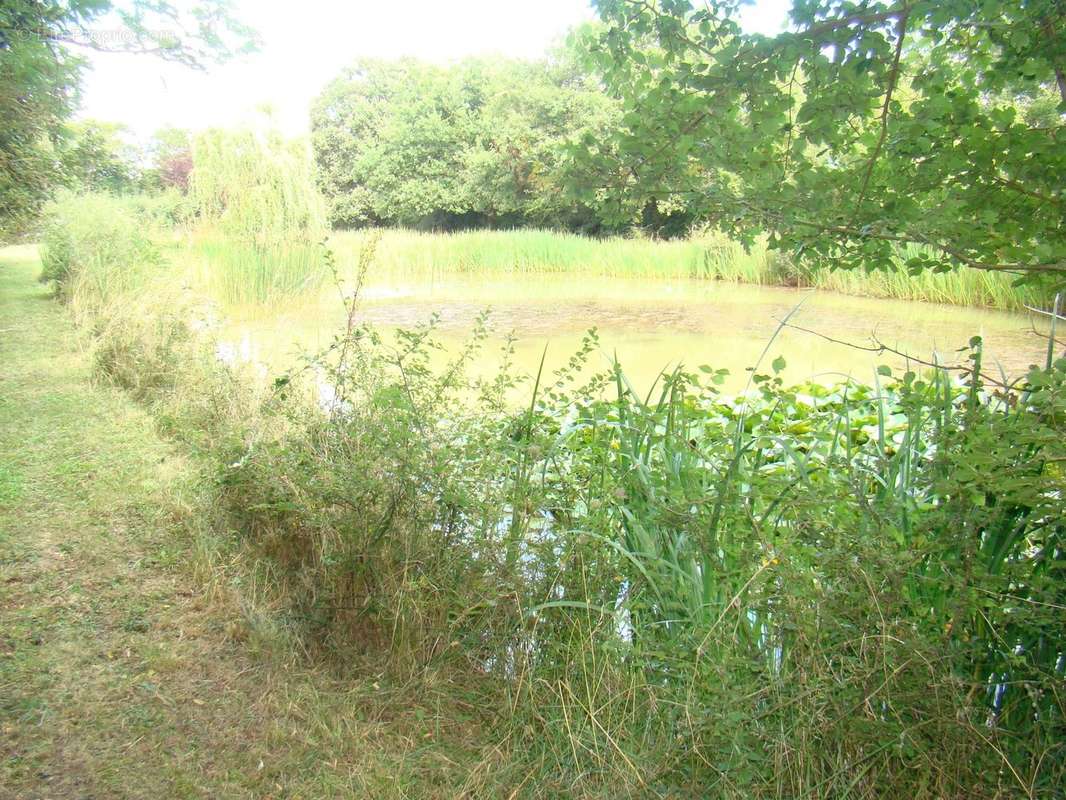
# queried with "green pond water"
point(652, 325)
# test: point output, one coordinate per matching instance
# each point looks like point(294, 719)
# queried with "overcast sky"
point(306, 44)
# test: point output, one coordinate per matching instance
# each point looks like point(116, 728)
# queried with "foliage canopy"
point(40, 71)
point(482, 143)
point(866, 125)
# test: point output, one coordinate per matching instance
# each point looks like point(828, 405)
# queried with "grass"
point(246, 273)
point(963, 287)
point(130, 666)
point(807, 591)
point(533, 252)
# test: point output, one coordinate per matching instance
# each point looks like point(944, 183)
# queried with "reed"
point(533, 252)
point(963, 286)
point(529, 251)
point(95, 247)
point(248, 273)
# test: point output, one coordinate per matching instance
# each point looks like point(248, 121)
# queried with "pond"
point(655, 324)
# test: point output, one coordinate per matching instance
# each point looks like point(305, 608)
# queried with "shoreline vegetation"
point(798, 591)
point(240, 269)
point(707, 257)
point(419, 558)
point(246, 272)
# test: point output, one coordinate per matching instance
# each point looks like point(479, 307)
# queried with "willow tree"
point(865, 126)
point(256, 185)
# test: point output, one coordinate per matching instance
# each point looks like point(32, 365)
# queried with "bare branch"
point(880, 348)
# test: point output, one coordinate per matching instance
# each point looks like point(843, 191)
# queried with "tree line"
point(480, 143)
point(938, 125)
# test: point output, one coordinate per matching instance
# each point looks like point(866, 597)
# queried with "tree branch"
point(880, 348)
point(893, 78)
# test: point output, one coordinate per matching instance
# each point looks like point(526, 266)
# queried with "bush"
point(800, 591)
point(94, 247)
point(161, 211)
point(379, 501)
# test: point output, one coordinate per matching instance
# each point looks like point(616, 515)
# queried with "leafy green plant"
point(255, 186)
point(94, 247)
point(730, 578)
point(860, 128)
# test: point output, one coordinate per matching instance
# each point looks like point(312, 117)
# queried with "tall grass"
point(243, 273)
point(788, 583)
point(963, 286)
point(532, 252)
point(800, 591)
point(95, 247)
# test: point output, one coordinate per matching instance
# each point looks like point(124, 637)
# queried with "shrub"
point(94, 247)
point(379, 501)
point(161, 211)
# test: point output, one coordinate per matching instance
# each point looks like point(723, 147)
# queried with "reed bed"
point(962, 287)
point(532, 252)
point(247, 273)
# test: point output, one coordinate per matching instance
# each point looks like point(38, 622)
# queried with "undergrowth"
point(801, 591)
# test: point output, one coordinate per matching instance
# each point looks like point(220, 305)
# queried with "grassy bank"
point(132, 662)
point(801, 591)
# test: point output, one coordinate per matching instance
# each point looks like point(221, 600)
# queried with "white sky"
point(306, 44)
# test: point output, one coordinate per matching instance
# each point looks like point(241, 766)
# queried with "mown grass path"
point(119, 675)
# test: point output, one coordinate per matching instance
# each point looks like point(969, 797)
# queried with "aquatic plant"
point(529, 251)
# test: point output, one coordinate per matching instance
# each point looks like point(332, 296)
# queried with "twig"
point(880, 348)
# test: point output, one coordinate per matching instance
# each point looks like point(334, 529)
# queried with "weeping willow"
point(256, 186)
point(259, 214)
